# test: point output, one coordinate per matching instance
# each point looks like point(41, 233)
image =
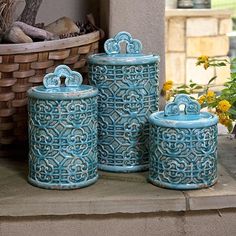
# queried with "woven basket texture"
point(24, 65)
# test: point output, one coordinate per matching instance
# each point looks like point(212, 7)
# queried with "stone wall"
point(190, 34)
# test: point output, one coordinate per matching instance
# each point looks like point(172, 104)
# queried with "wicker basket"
point(24, 65)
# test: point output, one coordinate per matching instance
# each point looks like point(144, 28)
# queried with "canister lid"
point(190, 117)
point(53, 90)
point(113, 55)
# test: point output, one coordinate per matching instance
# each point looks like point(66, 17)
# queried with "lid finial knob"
point(192, 107)
point(112, 45)
point(53, 80)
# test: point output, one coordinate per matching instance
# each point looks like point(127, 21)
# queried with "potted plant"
point(222, 103)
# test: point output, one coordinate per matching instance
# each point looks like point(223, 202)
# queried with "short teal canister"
point(128, 94)
point(183, 146)
point(62, 132)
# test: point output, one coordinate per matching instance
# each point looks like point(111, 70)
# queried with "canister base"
point(181, 186)
point(126, 169)
point(62, 186)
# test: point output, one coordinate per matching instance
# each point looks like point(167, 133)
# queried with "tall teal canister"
point(128, 94)
point(183, 146)
point(62, 132)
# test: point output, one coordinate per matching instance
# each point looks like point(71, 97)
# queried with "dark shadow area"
point(15, 157)
point(227, 154)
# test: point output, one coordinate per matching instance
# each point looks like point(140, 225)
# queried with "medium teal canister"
point(183, 146)
point(62, 132)
point(128, 94)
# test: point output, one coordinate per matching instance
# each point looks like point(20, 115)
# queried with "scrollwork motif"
point(185, 157)
point(127, 96)
point(62, 147)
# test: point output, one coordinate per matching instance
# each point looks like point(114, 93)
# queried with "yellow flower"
point(210, 93)
point(225, 120)
point(222, 118)
point(203, 59)
point(206, 65)
point(168, 85)
point(224, 105)
point(202, 99)
point(210, 96)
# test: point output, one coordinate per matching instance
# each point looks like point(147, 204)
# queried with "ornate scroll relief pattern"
point(63, 141)
point(127, 96)
point(191, 106)
point(112, 45)
point(73, 78)
point(183, 156)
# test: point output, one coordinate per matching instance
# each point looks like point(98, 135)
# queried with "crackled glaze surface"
point(62, 135)
point(127, 96)
point(183, 158)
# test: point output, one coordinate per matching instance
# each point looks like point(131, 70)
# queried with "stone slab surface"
point(113, 193)
point(221, 195)
point(190, 223)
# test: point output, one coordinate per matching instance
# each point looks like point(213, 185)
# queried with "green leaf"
point(233, 60)
point(221, 64)
point(192, 85)
point(232, 111)
point(182, 86)
point(198, 87)
point(198, 63)
point(192, 97)
point(230, 128)
point(211, 80)
point(183, 91)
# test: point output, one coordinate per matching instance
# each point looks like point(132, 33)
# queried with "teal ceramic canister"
point(62, 132)
point(183, 146)
point(128, 94)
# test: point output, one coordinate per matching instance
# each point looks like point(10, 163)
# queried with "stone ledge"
point(113, 193)
point(221, 195)
point(198, 12)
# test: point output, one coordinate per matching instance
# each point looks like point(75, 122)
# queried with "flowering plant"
point(223, 103)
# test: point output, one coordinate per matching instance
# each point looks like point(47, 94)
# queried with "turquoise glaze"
point(62, 132)
point(183, 146)
point(113, 55)
point(128, 94)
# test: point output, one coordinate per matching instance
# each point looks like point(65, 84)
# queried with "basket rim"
point(24, 48)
